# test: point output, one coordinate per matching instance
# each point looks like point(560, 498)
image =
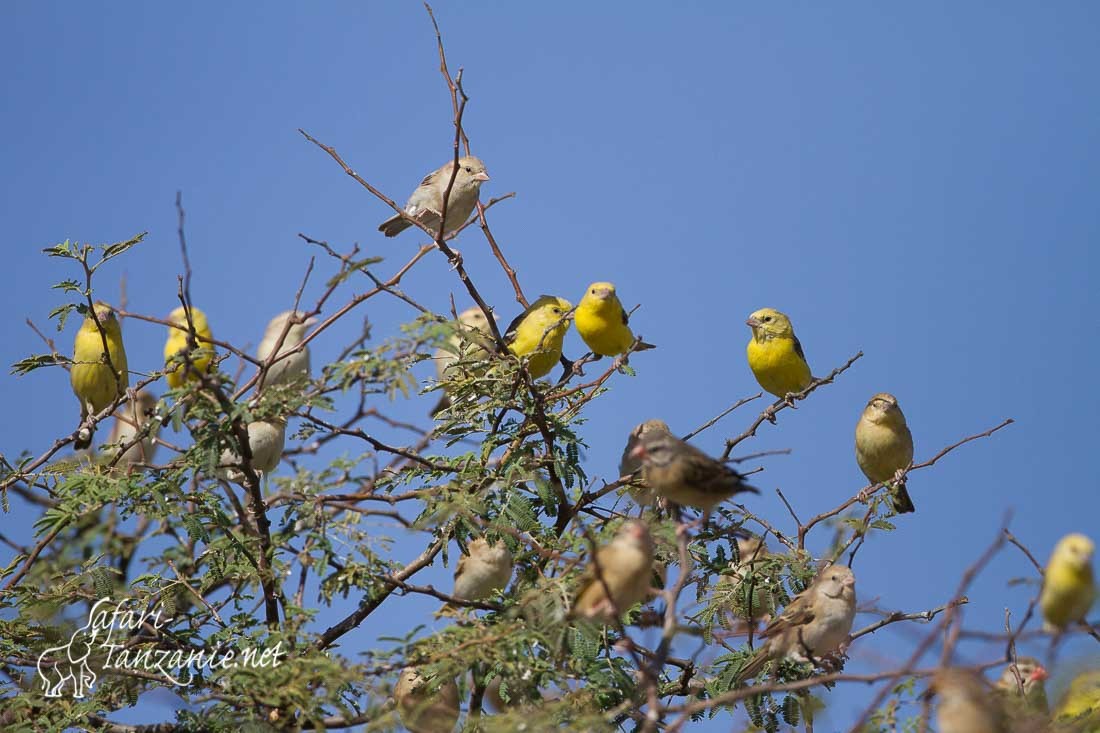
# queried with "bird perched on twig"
point(685, 475)
point(266, 439)
point(426, 202)
point(815, 623)
point(96, 383)
point(603, 323)
point(775, 354)
point(481, 570)
point(295, 365)
point(423, 706)
point(129, 422)
point(1022, 682)
point(179, 364)
point(884, 446)
point(630, 463)
point(470, 341)
point(966, 704)
point(618, 576)
point(1069, 588)
point(538, 333)
point(751, 598)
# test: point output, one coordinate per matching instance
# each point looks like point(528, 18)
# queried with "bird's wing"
point(513, 327)
point(798, 348)
point(626, 316)
point(461, 566)
point(798, 612)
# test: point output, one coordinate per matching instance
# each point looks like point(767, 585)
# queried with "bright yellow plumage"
point(95, 384)
point(538, 333)
point(775, 355)
point(1081, 703)
point(602, 321)
point(1068, 585)
point(176, 369)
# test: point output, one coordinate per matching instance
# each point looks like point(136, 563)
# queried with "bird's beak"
point(753, 322)
point(1039, 674)
point(311, 321)
point(483, 176)
point(638, 452)
point(850, 582)
point(603, 293)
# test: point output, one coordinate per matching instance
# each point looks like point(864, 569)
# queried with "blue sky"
point(919, 183)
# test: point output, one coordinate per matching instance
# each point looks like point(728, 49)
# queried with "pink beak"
point(1039, 674)
point(483, 176)
point(753, 322)
point(638, 452)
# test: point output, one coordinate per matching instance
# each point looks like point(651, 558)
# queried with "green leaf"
point(25, 366)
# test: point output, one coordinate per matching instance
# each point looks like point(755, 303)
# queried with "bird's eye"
point(767, 319)
point(557, 310)
point(469, 169)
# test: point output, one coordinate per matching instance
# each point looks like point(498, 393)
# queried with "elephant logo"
point(62, 665)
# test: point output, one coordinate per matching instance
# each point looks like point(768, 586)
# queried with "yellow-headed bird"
point(603, 322)
point(775, 355)
point(884, 446)
point(1068, 585)
point(95, 384)
point(538, 332)
point(177, 369)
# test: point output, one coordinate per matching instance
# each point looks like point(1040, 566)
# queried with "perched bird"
point(481, 570)
point(266, 439)
point(630, 464)
point(289, 368)
point(619, 576)
point(1068, 585)
point(128, 423)
point(95, 383)
point(685, 475)
point(775, 355)
point(603, 322)
point(816, 622)
point(426, 707)
point(966, 704)
point(179, 368)
point(1081, 703)
point(470, 340)
point(884, 446)
point(751, 597)
point(538, 332)
point(426, 203)
point(1023, 681)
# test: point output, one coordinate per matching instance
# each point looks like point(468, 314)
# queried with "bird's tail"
point(443, 404)
point(643, 346)
point(902, 503)
point(394, 225)
point(447, 610)
point(752, 669)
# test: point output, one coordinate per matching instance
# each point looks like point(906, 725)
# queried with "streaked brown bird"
point(685, 475)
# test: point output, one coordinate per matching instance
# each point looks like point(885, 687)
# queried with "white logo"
point(92, 643)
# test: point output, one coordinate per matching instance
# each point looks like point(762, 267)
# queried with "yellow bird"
point(884, 446)
point(95, 383)
point(1068, 585)
point(775, 355)
point(538, 332)
point(177, 368)
point(603, 322)
point(1021, 687)
point(1081, 702)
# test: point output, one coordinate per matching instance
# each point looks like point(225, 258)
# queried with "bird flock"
point(659, 469)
